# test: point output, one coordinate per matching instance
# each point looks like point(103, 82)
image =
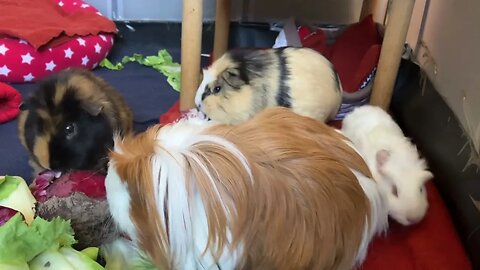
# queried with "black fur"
point(90, 145)
point(240, 58)
point(34, 127)
point(88, 149)
point(283, 96)
point(250, 63)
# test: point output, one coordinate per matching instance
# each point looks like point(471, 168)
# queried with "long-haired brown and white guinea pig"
point(280, 191)
point(243, 82)
point(393, 160)
point(68, 122)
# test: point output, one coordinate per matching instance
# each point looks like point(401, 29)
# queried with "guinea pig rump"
point(251, 202)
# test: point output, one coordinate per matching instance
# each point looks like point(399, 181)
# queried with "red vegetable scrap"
point(5, 214)
point(78, 196)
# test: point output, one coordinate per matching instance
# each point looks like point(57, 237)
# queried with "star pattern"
point(27, 59)
point(20, 62)
point(28, 78)
point(98, 48)
point(68, 53)
point(3, 49)
point(4, 70)
point(50, 66)
point(81, 41)
point(85, 60)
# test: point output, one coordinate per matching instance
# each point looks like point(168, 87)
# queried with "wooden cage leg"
point(392, 49)
point(367, 8)
point(222, 27)
point(192, 20)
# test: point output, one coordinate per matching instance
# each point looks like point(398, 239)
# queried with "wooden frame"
point(387, 69)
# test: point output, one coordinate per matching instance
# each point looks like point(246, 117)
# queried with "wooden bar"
point(367, 8)
point(222, 27)
point(392, 49)
point(192, 20)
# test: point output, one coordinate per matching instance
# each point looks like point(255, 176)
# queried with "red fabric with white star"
point(20, 62)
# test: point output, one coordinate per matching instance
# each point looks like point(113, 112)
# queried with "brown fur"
point(135, 163)
point(107, 100)
point(304, 210)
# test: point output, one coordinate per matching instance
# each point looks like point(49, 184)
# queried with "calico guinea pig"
point(393, 160)
point(279, 191)
point(69, 120)
point(244, 81)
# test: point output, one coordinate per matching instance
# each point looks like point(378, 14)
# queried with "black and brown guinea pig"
point(68, 122)
point(243, 82)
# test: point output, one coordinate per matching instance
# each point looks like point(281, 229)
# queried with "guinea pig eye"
point(395, 191)
point(217, 89)
point(70, 131)
point(422, 189)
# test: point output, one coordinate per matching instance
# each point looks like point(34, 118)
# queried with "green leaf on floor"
point(162, 62)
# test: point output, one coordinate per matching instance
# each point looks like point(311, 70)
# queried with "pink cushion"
point(20, 62)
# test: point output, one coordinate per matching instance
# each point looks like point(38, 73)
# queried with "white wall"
point(334, 11)
point(451, 57)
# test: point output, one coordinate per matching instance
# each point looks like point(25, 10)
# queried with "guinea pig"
point(243, 82)
point(279, 191)
point(69, 120)
point(393, 160)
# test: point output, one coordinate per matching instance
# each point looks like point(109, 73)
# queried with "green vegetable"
point(15, 194)
point(162, 62)
point(122, 255)
point(8, 184)
point(91, 252)
point(42, 245)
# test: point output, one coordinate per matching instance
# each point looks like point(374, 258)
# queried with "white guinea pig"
point(244, 81)
point(393, 160)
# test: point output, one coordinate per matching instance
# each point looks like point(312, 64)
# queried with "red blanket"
point(10, 100)
point(43, 22)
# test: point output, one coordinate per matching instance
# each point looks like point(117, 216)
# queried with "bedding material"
point(44, 23)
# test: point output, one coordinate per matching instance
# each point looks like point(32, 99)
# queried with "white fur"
point(371, 130)
point(378, 222)
point(188, 226)
point(208, 77)
point(117, 191)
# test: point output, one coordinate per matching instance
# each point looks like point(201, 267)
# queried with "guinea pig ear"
point(382, 157)
point(92, 109)
point(231, 76)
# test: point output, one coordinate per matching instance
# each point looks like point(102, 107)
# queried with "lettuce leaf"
point(21, 243)
point(8, 184)
point(162, 62)
point(15, 194)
